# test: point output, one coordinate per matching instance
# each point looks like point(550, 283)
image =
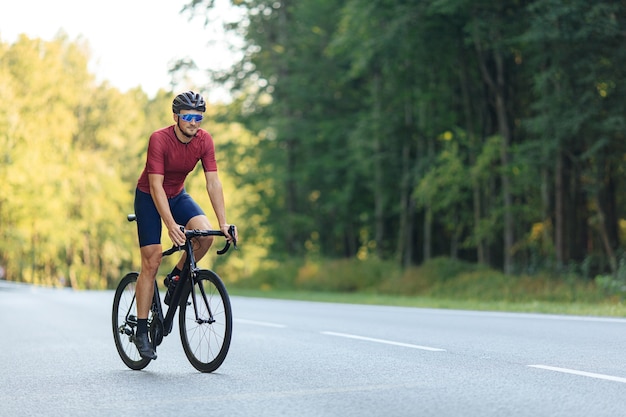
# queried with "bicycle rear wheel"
point(124, 321)
point(206, 338)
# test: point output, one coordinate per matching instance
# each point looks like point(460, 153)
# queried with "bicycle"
point(205, 329)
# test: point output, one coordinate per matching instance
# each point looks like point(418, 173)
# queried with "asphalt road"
point(287, 358)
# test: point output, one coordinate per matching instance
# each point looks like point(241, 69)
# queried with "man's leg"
point(144, 292)
point(203, 243)
point(150, 261)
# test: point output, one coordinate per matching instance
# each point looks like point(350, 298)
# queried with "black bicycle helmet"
point(188, 101)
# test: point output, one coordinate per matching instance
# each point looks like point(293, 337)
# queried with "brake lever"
point(231, 231)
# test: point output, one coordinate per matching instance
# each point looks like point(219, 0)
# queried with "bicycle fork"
point(200, 285)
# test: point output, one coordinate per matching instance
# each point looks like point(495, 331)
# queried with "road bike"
point(204, 320)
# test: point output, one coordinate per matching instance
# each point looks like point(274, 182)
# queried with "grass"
point(439, 283)
point(607, 309)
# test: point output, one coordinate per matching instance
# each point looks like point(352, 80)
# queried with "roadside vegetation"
point(438, 283)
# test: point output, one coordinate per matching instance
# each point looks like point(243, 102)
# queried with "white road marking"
point(260, 323)
point(580, 373)
point(388, 342)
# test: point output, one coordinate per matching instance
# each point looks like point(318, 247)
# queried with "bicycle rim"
point(206, 344)
point(124, 327)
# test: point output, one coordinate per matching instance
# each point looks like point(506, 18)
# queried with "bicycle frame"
point(187, 277)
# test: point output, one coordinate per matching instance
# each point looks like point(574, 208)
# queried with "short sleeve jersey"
point(174, 160)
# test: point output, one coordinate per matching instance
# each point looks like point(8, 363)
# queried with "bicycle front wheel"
point(205, 321)
point(125, 322)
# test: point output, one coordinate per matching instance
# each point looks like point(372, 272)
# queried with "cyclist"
point(173, 152)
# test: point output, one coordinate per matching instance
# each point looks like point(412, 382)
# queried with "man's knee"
point(200, 222)
point(151, 259)
point(206, 241)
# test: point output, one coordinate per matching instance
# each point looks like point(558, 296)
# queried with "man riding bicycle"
point(173, 152)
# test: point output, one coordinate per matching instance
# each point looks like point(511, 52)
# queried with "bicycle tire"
point(206, 345)
point(124, 305)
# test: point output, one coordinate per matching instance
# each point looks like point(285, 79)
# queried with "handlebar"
point(196, 233)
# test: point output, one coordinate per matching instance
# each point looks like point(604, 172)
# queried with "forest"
point(400, 130)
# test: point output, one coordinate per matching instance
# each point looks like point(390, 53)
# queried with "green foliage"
point(345, 275)
point(392, 132)
point(438, 279)
point(414, 129)
point(64, 173)
point(614, 285)
point(70, 155)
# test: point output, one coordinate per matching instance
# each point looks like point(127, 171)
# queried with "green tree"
point(578, 119)
point(368, 118)
point(66, 178)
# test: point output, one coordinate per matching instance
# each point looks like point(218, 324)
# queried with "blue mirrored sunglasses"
point(191, 117)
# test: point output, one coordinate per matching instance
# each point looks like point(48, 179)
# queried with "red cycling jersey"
point(174, 160)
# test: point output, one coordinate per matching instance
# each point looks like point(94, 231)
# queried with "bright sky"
point(133, 42)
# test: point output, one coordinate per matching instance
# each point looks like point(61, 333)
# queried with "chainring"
point(156, 332)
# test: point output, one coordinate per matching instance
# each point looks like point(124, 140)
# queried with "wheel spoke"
point(206, 343)
point(125, 308)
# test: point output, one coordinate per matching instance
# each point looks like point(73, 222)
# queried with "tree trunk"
point(545, 209)
point(404, 247)
point(291, 241)
point(379, 191)
point(559, 214)
point(405, 197)
point(428, 213)
point(604, 235)
point(472, 138)
point(408, 251)
point(497, 88)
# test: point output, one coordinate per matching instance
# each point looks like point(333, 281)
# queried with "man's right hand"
point(176, 234)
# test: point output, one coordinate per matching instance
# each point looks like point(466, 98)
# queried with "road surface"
point(291, 358)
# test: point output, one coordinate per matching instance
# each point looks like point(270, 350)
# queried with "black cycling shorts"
point(149, 225)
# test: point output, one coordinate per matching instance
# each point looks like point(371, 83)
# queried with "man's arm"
point(216, 194)
point(160, 201)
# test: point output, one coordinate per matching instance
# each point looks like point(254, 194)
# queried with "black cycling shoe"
point(144, 346)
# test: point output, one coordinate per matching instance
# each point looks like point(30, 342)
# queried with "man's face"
point(189, 127)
